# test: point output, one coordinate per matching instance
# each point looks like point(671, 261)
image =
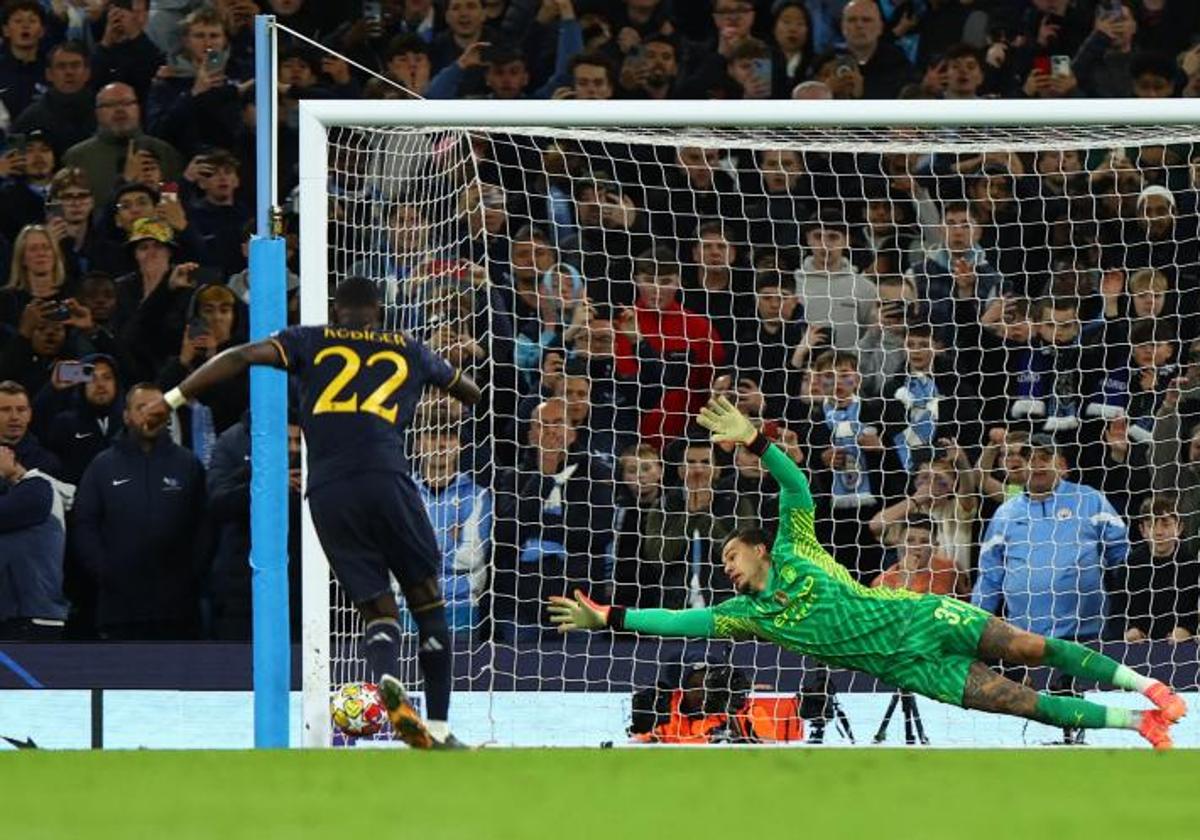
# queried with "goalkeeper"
point(793, 593)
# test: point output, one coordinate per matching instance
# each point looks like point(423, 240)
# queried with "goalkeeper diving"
point(793, 593)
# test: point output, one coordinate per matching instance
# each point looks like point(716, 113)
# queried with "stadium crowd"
point(988, 362)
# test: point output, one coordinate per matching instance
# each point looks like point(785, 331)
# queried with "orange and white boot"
point(1169, 703)
point(1156, 729)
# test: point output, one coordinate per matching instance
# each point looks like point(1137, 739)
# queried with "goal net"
point(979, 343)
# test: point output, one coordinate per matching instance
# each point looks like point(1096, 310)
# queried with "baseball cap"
point(144, 230)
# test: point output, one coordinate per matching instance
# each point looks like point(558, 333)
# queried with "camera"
point(60, 312)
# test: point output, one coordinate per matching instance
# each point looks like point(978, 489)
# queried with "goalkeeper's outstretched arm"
point(582, 613)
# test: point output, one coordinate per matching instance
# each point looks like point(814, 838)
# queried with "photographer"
point(705, 704)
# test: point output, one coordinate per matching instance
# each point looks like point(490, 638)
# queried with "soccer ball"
point(357, 709)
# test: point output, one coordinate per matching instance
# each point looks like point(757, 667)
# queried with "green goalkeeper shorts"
point(941, 642)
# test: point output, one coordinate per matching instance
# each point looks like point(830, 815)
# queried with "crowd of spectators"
point(987, 361)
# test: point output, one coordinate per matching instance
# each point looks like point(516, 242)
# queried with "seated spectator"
point(407, 62)
point(962, 74)
point(466, 24)
point(881, 350)
point(756, 492)
point(841, 75)
point(956, 280)
point(37, 274)
point(40, 343)
point(152, 301)
point(461, 513)
point(554, 517)
point(23, 192)
point(216, 323)
point(220, 215)
point(1045, 552)
point(1003, 466)
point(713, 285)
point(1158, 594)
point(834, 293)
point(654, 73)
point(921, 567)
point(65, 110)
point(705, 495)
point(193, 104)
point(847, 461)
point(32, 544)
point(137, 526)
point(1163, 239)
point(595, 423)
point(119, 145)
point(945, 493)
point(1154, 75)
point(885, 69)
point(92, 422)
point(507, 75)
point(686, 343)
point(125, 53)
point(1138, 377)
point(689, 186)
point(786, 197)
point(23, 24)
point(591, 75)
point(69, 206)
point(791, 36)
point(1104, 62)
point(651, 562)
point(746, 65)
point(612, 228)
point(766, 342)
point(16, 416)
point(924, 402)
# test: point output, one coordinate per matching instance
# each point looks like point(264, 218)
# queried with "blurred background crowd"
point(987, 360)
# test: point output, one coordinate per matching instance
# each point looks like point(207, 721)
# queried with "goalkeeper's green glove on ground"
point(726, 423)
point(582, 613)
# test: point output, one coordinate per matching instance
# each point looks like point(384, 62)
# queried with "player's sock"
point(434, 656)
point(381, 647)
point(1077, 713)
point(1081, 661)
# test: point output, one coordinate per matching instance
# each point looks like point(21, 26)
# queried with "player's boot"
point(449, 743)
point(1156, 729)
point(1169, 703)
point(406, 722)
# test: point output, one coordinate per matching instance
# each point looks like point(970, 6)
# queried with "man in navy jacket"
point(138, 515)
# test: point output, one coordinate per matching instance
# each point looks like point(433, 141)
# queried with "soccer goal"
point(908, 295)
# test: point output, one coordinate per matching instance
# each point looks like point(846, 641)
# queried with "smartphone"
point(74, 373)
point(197, 328)
point(1041, 64)
point(214, 61)
point(16, 143)
point(762, 71)
point(169, 191)
point(54, 210)
point(1060, 65)
point(372, 11)
point(206, 275)
point(1111, 9)
point(845, 65)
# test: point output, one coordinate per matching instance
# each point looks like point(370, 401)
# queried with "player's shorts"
point(371, 524)
point(939, 645)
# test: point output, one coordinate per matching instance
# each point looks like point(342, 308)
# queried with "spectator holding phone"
point(92, 420)
point(1104, 64)
point(152, 300)
point(214, 323)
point(119, 144)
point(219, 215)
point(41, 342)
point(38, 273)
point(30, 165)
point(125, 53)
point(23, 24)
point(69, 205)
point(193, 104)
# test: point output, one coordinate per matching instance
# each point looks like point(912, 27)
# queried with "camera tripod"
point(914, 730)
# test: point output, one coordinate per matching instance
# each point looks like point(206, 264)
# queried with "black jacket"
point(137, 523)
point(68, 118)
point(80, 433)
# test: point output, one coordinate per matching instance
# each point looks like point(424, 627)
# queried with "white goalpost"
point(744, 202)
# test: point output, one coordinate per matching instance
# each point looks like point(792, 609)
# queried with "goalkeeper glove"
point(726, 423)
point(581, 614)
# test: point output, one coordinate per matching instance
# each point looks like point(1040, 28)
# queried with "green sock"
point(1083, 714)
point(1079, 661)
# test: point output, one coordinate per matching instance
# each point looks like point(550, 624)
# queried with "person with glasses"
point(119, 144)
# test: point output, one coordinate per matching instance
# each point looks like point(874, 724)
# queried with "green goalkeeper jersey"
point(811, 604)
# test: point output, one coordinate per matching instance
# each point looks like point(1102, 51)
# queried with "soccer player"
point(359, 388)
point(793, 593)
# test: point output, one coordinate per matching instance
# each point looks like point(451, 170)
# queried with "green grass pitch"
point(610, 794)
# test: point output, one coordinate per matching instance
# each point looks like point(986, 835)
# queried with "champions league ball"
point(358, 710)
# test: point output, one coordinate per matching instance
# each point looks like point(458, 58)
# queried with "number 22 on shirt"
point(332, 399)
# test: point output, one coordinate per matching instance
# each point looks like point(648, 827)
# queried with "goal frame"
point(316, 117)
